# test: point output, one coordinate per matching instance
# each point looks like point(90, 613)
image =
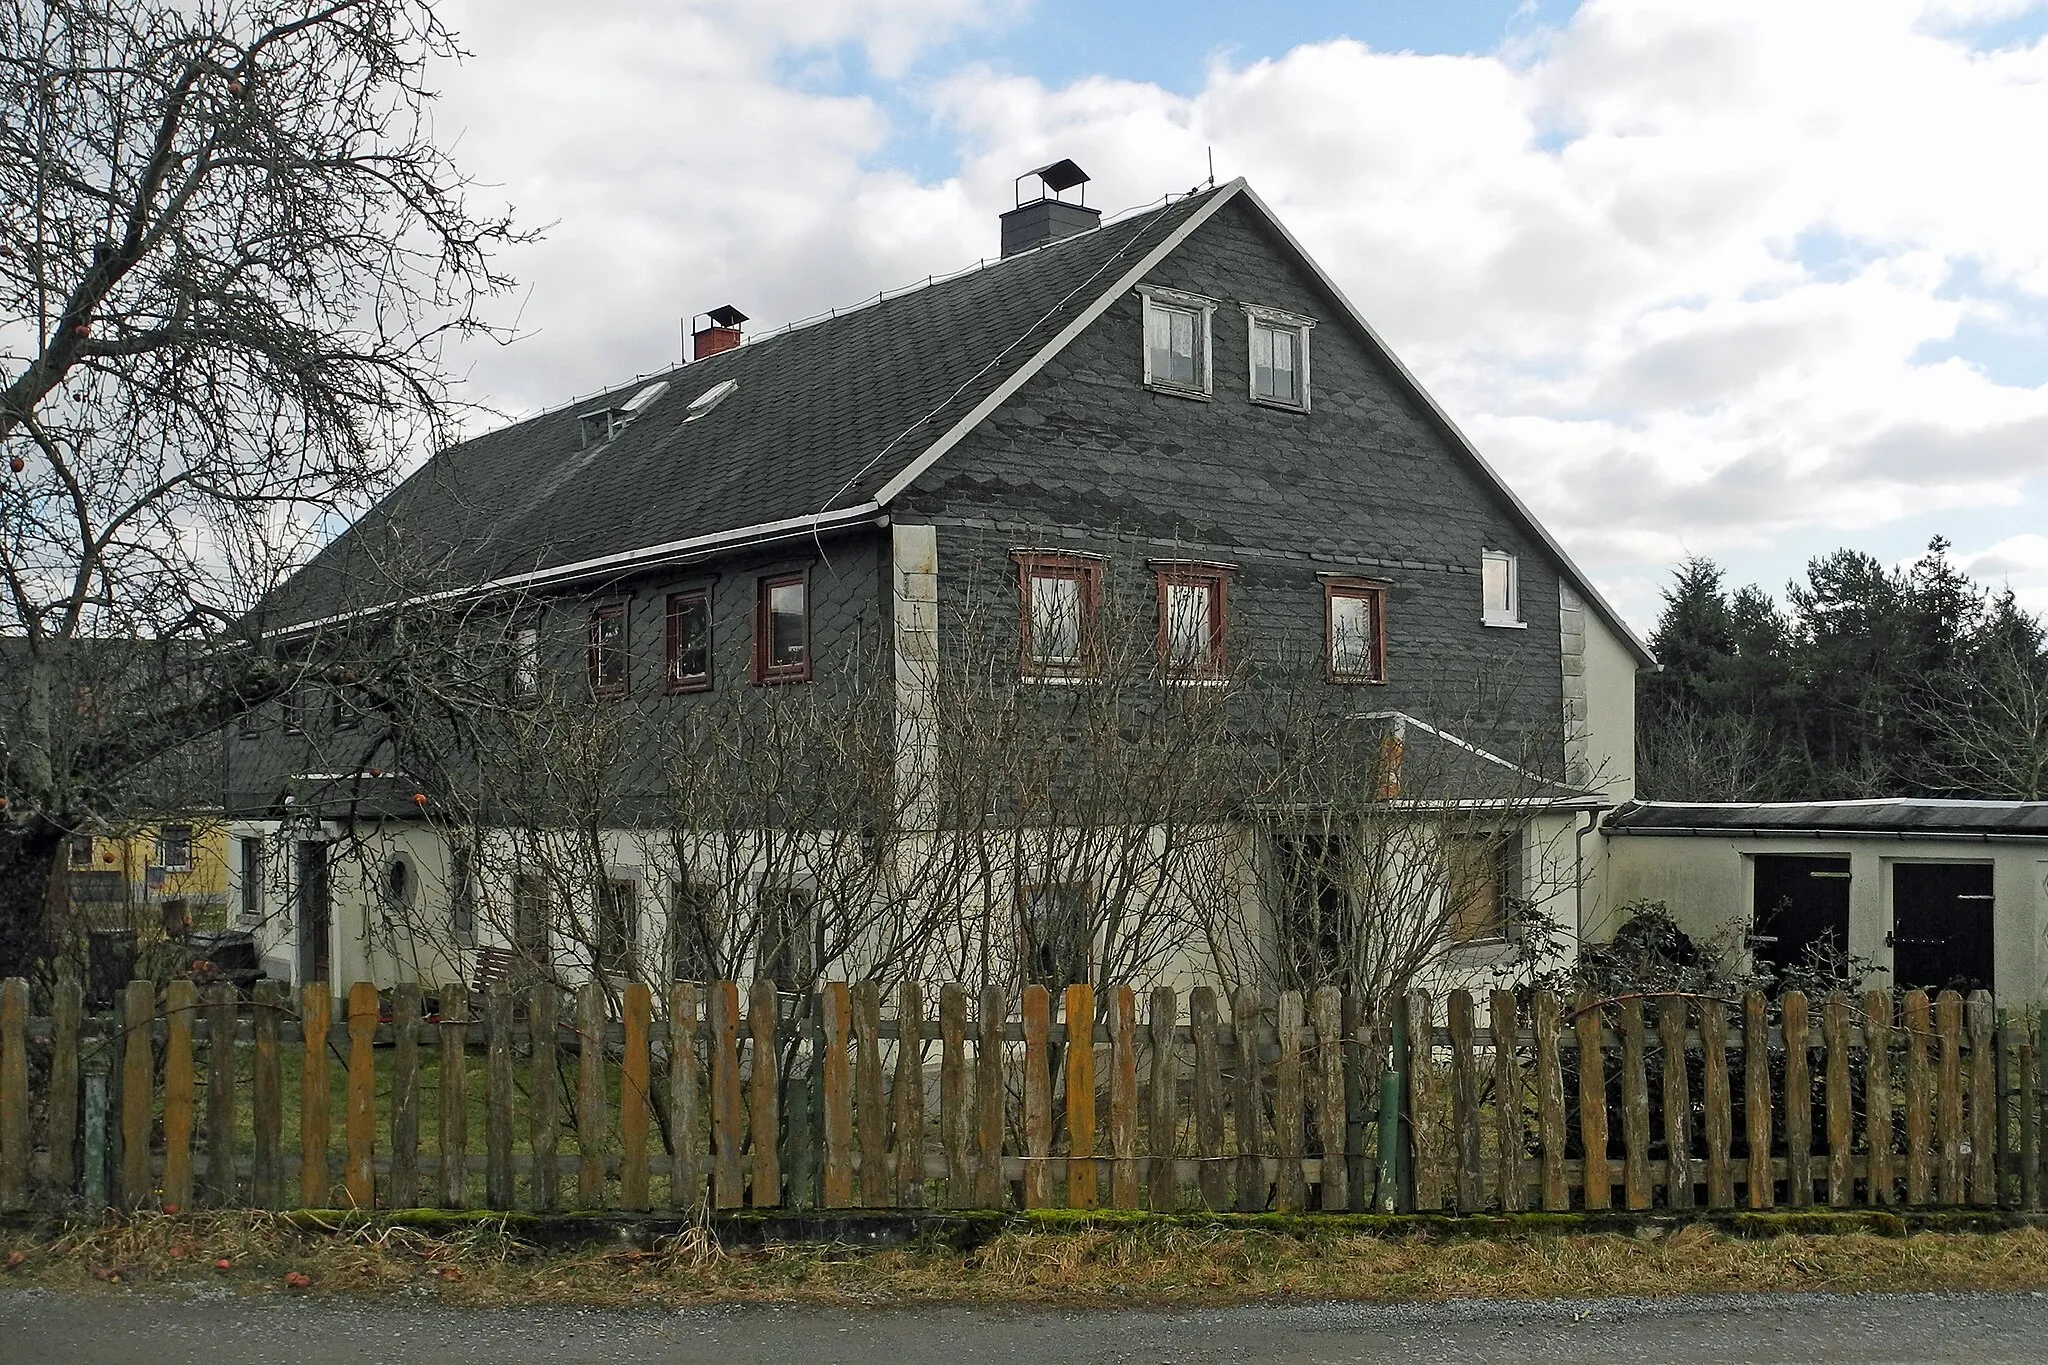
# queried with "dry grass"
point(486, 1264)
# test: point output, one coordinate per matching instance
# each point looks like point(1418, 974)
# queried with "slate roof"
point(830, 417)
point(1904, 817)
point(823, 416)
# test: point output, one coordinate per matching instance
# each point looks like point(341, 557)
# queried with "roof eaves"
point(1528, 518)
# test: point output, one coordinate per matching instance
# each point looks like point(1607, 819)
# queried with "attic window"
point(598, 427)
point(639, 402)
point(710, 398)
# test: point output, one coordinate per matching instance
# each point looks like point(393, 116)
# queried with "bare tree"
point(1989, 723)
point(232, 256)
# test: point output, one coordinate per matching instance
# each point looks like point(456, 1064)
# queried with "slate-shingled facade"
point(937, 432)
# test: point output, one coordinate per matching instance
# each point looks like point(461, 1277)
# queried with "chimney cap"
point(1058, 177)
point(725, 315)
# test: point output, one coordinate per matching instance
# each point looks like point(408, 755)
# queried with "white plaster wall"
point(1610, 709)
point(1707, 881)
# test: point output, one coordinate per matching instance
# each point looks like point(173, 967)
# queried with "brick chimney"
point(721, 332)
point(1048, 218)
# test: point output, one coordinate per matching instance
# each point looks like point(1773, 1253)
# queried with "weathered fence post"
point(1544, 1024)
point(838, 1003)
point(1717, 1101)
point(1677, 1099)
point(359, 1135)
point(1425, 1104)
point(1877, 1094)
point(1756, 1099)
point(954, 1127)
point(1162, 1120)
point(990, 1187)
point(498, 1184)
point(2030, 1115)
point(316, 1006)
point(1079, 1084)
point(1798, 1100)
point(67, 1005)
point(1037, 1100)
point(1919, 1100)
point(404, 1185)
point(1290, 1190)
point(1948, 1113)
point(451, 1095)
point(1984, 1101)
point(266, 1099)
point(1213, 1179)
point(1326, 1009)
point(1841, 1121)
point(1599, 1179)
point(635, 1096)
point(1123, 1098)
point(181, 1005)
point(543, 1093)
point(1635, 1107)
point(728, 1189)
point(764, 1113)
point(590, 1096)
point(1464, 1105)
point(871, 1114)
point(907, 1095)
point(1249, 1104)
point(13, 1093)
point(686, 1167)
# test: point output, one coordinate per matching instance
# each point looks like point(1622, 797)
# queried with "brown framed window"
point(789, 933)
point(618, 925)
point(782, 630)
point(1193, 609)
point(1484, 875)
point(688, 651)
point(1355, 630)
point(523, 675)
point(609, 662)
point(1057, 600)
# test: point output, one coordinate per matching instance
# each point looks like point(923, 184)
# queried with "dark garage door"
point(1801, 910)
point(1941, 926)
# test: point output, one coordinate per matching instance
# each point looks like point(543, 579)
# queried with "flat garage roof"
point(1899, 816)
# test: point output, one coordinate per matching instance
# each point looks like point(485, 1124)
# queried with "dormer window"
point(598, 427)
point(1177, 341)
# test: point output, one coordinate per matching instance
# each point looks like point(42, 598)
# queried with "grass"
point(485, 1263)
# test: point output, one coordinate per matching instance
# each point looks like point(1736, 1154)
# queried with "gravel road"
point(210, 1327)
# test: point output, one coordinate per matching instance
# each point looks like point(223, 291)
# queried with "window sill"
point(1503, 623)
point(675, 689)
point(1483, 951)
point(1177, 391)
point(1279, 404)
point(783, 679)
point(1350, 680)
point(1057, 679)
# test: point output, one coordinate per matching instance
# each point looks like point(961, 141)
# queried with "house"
point(1922, 893)
point(128, 878)
point(1176, 417)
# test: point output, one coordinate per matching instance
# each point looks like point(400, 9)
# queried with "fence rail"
point(723, 1097)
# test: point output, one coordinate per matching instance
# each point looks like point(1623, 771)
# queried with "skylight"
point(710, 398)
point(639, 401)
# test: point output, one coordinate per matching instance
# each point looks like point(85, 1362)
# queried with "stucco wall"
point(1708, 880)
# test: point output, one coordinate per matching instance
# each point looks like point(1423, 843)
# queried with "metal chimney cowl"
point(1049, 217)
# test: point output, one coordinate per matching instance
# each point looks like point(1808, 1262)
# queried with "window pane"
point(1497, 585)
point(786, 625)
point(608, 647)
point(1351, 651)
point(1055, 619)
point(1172, 335)
point(1276, 363)
point(1188, 615)
point(691, 630)
point(526, 663)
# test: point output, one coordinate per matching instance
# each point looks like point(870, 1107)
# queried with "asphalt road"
point(212, 1327)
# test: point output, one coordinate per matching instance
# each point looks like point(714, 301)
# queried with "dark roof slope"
point(822, 417)
point(1902, 816)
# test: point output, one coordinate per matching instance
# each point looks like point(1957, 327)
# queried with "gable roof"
point(825, 426)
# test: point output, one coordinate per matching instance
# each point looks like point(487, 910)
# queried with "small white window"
point(1499, 590)
point(525, 664)
point(1177, 342)
point(1279, 357)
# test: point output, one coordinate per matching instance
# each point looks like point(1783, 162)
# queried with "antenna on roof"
point(1212, 167)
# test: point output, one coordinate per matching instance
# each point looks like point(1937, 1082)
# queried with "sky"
point(1750, 280)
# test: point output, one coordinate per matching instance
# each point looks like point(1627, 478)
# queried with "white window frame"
point(1257, 316)
point(1205, 309)
point(1512, 620)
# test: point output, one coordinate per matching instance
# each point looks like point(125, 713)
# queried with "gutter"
point(652, 556)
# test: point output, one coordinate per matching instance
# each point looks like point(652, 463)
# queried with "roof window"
point(710, 398)
point(600, 426)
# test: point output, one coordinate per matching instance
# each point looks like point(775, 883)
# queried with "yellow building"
point(126, 878)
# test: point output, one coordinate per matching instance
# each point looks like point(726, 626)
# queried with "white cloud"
point(1673, 266)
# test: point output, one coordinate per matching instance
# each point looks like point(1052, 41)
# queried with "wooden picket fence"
point(822, 1101)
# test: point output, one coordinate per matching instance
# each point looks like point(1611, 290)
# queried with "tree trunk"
point(28, 861)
